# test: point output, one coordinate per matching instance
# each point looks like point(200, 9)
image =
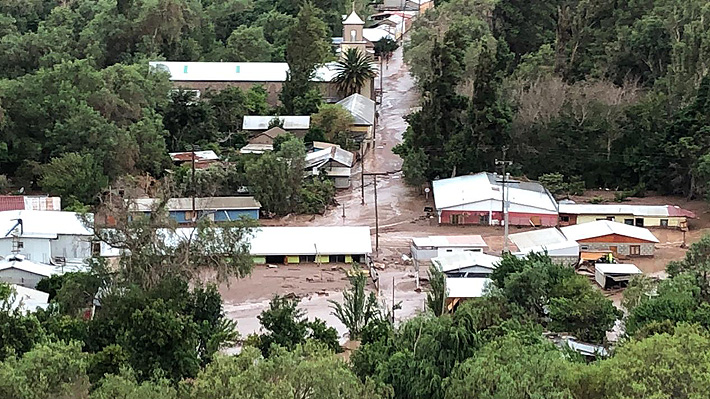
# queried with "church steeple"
point(352, 32)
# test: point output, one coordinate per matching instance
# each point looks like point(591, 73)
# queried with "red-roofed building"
point(29, 203)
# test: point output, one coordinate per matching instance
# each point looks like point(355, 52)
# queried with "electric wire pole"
point(505, 207)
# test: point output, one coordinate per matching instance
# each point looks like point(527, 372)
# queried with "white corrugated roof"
point(537, 238)
point(235, 71)
point(613, 209)
point(376, 34)
point(28, 299)
point(617, 268)
point(460, 260)
point(482, 186)
point(322, 240)
point(44, 224)
point(21, 263)
point(318, 158)
point(256, 148)
point(461, 287)
point(291, 122)
point(600, 228)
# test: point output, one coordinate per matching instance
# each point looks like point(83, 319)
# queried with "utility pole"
point(377, 218)
point(194, 215)
point(362, 174)
point(503, 162)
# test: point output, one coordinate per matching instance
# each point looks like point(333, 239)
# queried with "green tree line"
point(614, 93)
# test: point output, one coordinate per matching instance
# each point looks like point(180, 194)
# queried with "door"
point(614, 250)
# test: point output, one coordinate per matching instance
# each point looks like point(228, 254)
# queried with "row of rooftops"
point(463, 190)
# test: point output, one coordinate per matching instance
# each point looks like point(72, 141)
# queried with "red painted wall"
point(515, 219)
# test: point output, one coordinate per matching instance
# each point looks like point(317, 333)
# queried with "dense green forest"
point(80, 109)
point(613, 92)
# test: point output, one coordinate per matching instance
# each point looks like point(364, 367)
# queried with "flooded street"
point(398, 206)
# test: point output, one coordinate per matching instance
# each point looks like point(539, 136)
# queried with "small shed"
point(203, 159)
point(467, 264)
point(609, 275)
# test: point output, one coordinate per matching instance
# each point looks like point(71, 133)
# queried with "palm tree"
point(354, 69)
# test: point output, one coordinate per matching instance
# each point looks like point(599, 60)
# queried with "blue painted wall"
point(219, 216)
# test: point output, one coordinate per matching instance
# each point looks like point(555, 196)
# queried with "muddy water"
point(398, 204)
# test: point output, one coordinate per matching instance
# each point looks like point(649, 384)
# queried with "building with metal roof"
point(216, 76)
point(550, 241)
point(363, 111)
point(46, 236)
point(424, 249)
point(17, 269)
point(333, 162)
point(478, 199)
point(218, 209)
point(30, 203)
point(619, 238)
point(637, 215)
point(289, 123)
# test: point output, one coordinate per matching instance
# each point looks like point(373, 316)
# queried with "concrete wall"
point(443, 251)
point(71, 247)
point(20, 277)
point(481, 217)
point(622, 249)
point(35, 249)
point(217, 216)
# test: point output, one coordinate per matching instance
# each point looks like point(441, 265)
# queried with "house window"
point(184, 69)
point(584, 247)
point(635, 250)
point(449, 250)
point(189, 216)
point(639, 222)
point(238, 68)
point(353, 35)
point(564, 219)
point(664, 222)
point(610, 218)
point(472, 250)
point(630, 222)
point(600, 219)
point(96, 248)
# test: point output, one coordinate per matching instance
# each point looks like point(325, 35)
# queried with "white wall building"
point(46, 236)
point(425, 248)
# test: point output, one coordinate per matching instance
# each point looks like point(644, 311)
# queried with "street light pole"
point(194, 215)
